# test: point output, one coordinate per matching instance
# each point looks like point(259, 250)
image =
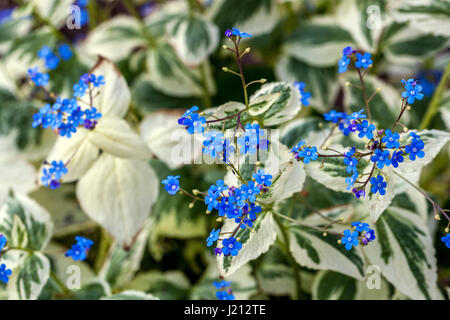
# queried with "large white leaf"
point(56, 11)
point(193, 37)
point(118, 194)
point(311, 249)
point(15, 172)
point(115, 136)
point(377, 203)
point(114, 39)
point(114, 98)
point(405, 253)
point(78, 153)
point(169, 141)
point(253, 243)
point(29, 276)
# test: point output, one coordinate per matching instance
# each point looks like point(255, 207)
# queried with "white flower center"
point(363, 60)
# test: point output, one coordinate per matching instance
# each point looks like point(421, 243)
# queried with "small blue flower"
point(213, 147)
point(194, 124)
point(363, 60)
point(80, 249)
point(378, 185)
point(84, 242)
point(3, 241)
point(369, 236)
point(351, 164)
point(357, 115)
point(262, 178)
point(57, 169)
point(222, 284)
point(360, 226)
point(65, 52)
point(211, 201)
point(412, 91)
point(347, 51)
point(231, 246)
point(236, 32)
point(309, 154)
point(350, 239)
point(382, 158)
point(39, 79)
point(4, 273)
point(297, 147)
point(79, 89)
point(446, 240)
point(247, 144)
point(334, 116)
point(391, 139)
point(343, 64)
point(304, 96)
point(213, 237)
point(366, 130)
point(415, 149)
point(190, 112)
point(350, 181)
point(97, 81)
point(223, 295)
point(52, 61)
point(172, 184)
point(359, 193)
point(396, 158)
point(5, 15)
point(250, 191)
point(238, 197)
point(44, 52)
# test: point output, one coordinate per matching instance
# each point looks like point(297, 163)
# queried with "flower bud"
point(191, 205)
point(437, 217)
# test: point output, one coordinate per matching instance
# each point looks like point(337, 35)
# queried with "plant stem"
point(59, 282)
point(363, 89)
point(295, 268)
point(437, 97)
point(105, 243)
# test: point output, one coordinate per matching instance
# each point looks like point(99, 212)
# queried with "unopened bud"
point(258, 163)
point(252, 230)
point(405, 129)
point(408, 108)
point(347, 84)
point(247, 50)
point(220, 219)
point(208, 212)
point(225, 69)
point(324, 148)
point(320, 125)
point(238, 239)
point(378, 89)
point(447, 230)
point(339, 241)
point(263, 80)
point(437, 217)
point(324, 234)
point(225, 47)
point(195, 192)
point(191, 205)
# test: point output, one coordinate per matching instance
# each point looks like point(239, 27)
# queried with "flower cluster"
point(225, 292)
point(52, 60)
point(304, 96)
point(360, 60)
point(446, 240)
point(52, 176)
point(80, 249)
point(304, 153)
point(192, 121)
point(412, 90)
point(361, 234)
point(5, 273)
point(65, 115)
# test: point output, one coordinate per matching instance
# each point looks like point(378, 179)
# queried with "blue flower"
point(231, 246)
point(446, 240)
point(413, 91)
point(304, 96)
point(363, 60)
point(368, 236)
point(415, 149)
point(57, 169)
point(44, 117)
point(44, 52)
point(237, 197)
point(39, 79)
point(396, 158)
point(250, 191)
point(222, 284)
point(382, 158)
point(3, 241)
point(52, 61)
point(66, 130)
point(65, 52)
point(391, 139)
point(236, 32)
point(172, 184)
point(351, 164)
point(80, 249)
point(378, 185)
point(194, 124)
point(343, 64)
point(223, 295)
point(350, 181)
point(357, 115)
point(309, 154)
point(359, 193)
point(360, 226)
point(79, 89)
point(213, 147)
point(97, 81)
point(211, 201)
point(365, 129)
point(297, 147)
point(350, 239)
point(189, 112)
point(262, 178)
point(334, 116)
point(247, 144)
point(213, 237)
point(4, 273)
point(5, 15)
point(347, 51)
